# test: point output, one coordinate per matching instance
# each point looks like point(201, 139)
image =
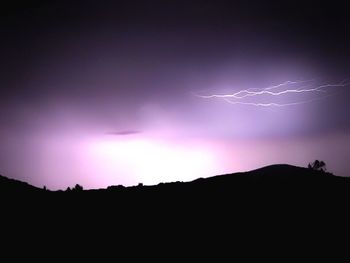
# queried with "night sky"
point(125, 92)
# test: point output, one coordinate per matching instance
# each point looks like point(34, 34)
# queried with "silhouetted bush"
point(115, 187)
point(78, 187)
point(317, 166)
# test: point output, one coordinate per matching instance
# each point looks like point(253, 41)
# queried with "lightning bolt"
point(275, 104)
point(237, 97)
point(288, 82)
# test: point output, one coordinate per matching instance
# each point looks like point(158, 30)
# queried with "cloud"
point(123, 133)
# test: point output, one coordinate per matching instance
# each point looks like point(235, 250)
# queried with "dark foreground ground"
point(277, 203)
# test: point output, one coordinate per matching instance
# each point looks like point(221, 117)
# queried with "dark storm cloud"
point(98, 55)
point(121, 133)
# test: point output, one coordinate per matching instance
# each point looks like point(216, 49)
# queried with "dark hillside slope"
point(267, 186)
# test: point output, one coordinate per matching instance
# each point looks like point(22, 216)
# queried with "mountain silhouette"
point(282, 174)
point(270, 184)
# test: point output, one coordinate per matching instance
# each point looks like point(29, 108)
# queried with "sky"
point(125, 92)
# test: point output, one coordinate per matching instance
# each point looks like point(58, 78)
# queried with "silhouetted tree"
point(78, 187)
point(68, 189)
point(317, 166)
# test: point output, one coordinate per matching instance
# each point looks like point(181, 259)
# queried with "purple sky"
point(99, 93)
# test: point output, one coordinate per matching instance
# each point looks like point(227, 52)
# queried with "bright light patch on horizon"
point(151, 161)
